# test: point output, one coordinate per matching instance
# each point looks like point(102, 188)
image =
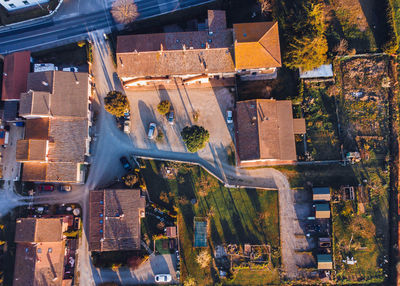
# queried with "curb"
point(33, 19)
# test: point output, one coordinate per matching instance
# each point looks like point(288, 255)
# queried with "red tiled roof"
point(16, 69)
point(264, 130)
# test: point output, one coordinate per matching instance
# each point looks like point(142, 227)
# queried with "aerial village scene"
point(199, 142)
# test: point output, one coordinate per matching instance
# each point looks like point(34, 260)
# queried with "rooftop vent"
point(210, 40)
point(210, 33)
point(50, 250)
point(244, 35)
point(177, 40)
point(45, 83)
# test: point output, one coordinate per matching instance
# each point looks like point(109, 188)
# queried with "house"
point(16, 68)
point(39, 258)
point(171, 232)
point(197, 56)
point(265, 132)
point(322, 210)
point(324, 261)
point(321, 194)
point(114, 222)
point(56, 144)
point(12, 5)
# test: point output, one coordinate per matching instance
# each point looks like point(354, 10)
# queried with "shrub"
point(195, 137)
point(131, 179)
point(160, 135)
point(163, 107)
point(203, 258)
point(116, 103)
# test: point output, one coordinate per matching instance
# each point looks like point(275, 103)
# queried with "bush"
point(131, 180)
point(392, 44)
point(195, 137)
point(116, 103)
point(163, 107)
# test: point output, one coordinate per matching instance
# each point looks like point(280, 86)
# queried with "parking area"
point(11, 168)
point(209, 105)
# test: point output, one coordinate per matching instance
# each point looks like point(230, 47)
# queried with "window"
point(50, 250)
point(25, 2)
point(12, 5)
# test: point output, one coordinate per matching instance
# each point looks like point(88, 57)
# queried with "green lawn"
point(235, 215)
point(257, 277)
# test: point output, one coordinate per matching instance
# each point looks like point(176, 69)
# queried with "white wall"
point(12, 5)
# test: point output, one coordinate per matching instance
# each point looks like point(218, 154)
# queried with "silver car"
point(152, 130)
point(163, 278)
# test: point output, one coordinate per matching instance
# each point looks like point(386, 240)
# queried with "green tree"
point(163, 107)
point(307, 45)
point(131, 179)
point(116, 103)
point(195, 137)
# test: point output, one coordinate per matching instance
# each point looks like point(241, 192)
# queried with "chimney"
point(184, 47)
point(207, 45)
point(161, 49)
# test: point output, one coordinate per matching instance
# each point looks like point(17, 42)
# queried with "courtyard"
point(205, 107)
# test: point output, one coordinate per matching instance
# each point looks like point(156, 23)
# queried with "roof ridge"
point(265, 48)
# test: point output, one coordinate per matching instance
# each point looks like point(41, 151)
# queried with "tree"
point(189, 281)
point(131, 179)
point(124, 11)
point(195, 137)
point(203, 258)
point(266, 6)
point(116, 103)
point(163, 107)
point(164, 197)
point(307, 44)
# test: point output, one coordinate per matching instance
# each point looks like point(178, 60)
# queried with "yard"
point(235, 216)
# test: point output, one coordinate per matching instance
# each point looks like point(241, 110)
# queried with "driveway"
point(157, 264)
point(11, 168)
point(210, 103)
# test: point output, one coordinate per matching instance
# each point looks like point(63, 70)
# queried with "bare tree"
point(342, 48)
point(203, 259)
point(124, 11)
point(266, 6)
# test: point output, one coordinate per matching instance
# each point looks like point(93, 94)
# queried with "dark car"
point(45, 188)
point(125, 163)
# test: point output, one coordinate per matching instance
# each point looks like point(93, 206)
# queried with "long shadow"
point(145, 111)
point(374, 10)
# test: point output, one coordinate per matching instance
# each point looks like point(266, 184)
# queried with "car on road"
point(163, 278)
point(65, 188)
point(125, 163)
point(171, 117)
point(127, 126)
point(70, 69)
point(152, 130)
point(229, 116)
point(45, 188)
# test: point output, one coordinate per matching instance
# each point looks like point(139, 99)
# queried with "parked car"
point(171, 117)
point(71, 69)
point(127, 115)
point(163, 278)
point(152, 130)
point(229, 116)
point(45, 188)
point(127, 126)
point(65, 188)
point(125, 163)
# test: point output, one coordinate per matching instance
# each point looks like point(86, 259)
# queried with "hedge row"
point(393, 18)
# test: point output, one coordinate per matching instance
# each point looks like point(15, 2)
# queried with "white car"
point(127, 126)
point(71, 69)
point(152, 130)
point(229, 116)
point(163, 278)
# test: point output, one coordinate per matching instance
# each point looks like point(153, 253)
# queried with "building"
point(56, 144)
point(321, 72)
point(195, 57)
point(322, 210)
point(16, 68)
point(39, 258)
point(12, 5)
point(324, 261)
point(321, 194)
point(115, 219)
point(171, 232)
point(264, 131)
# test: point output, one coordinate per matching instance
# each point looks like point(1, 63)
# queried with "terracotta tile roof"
point(264, 130)
point(174, 60)
point(299, 126)
point(37, 128)
point(115, 219)
point(31, 150)
point(39, 230)
point(39, 264)
point(257, 45)
point(56, 93)
point(16, 69)
point(34, 172)
point(216, 20)
point(61, 172)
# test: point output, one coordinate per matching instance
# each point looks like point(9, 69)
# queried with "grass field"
point(235, 215)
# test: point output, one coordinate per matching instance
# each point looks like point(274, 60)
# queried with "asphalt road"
point(72, 27)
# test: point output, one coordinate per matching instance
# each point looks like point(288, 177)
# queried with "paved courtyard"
point(210, 103)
